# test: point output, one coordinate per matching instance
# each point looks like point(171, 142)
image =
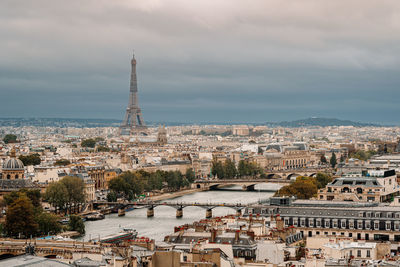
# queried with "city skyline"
point(234, 63)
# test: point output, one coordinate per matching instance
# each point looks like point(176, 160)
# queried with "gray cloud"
point(220, 60)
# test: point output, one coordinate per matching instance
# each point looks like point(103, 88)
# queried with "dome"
point(13, 164)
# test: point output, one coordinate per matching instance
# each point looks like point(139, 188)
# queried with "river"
point(164, 218)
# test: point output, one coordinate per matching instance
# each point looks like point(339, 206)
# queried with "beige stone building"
point(376, 186)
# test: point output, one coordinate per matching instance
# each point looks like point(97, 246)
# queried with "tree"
point(62, 162)
point(76, 224)
point(323, 159)
point(323, 179)
point(10, 138)
point(363, 155)
point(190, 175)
point(31, 159)
point(333, 160)
point(103, 149)
point(242, 168)
point(57, 195)
point(33, 194)
point(112, 196)
point(342, 158)
point(20, 218)
point(48, 223)
point(230, 169)
point(75, 190)
point(217, 169)
point(88, 143)
point(303, 188)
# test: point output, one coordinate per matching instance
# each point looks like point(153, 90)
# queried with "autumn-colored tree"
point(20, 218)
point(303, 188)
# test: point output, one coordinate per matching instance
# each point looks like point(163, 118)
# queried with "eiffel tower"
point(133, 122)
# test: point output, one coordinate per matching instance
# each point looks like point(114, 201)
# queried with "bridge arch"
point(50, 256)
point(274, 176)
point(313, 174)
point(292, 175)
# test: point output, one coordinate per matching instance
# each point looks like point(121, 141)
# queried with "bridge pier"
point(179, 212)
point(150, 212)
point(208, 213)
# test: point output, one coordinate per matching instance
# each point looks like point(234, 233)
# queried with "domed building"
point(13, 168)
point(12, 175)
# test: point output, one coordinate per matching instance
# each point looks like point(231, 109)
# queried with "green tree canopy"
point(76, 224)
point(102, 149)
point(48, 224)
point(10, 138)
point(57, 195)
point(88, 143)
point(31, 159)
point(190, 175)
point(217, 169)
point(333, 160)
point(322, 179)
point(230, 169)
point(246, 168)
point(323, 159)
point(363, 155)
point(75, 189)
point(62, 162)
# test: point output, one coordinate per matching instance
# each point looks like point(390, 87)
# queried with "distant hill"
point(323, 122)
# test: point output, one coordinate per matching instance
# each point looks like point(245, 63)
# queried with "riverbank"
point(165, 196)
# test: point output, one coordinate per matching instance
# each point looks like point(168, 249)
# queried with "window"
point(359, 224)
point(368, 254)
point(327, 223)
point(359, 253)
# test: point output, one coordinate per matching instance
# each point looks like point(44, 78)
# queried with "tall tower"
point(133, 121)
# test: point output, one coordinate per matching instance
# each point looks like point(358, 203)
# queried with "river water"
point(164, 218)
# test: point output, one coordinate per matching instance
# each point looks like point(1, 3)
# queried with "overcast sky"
point(198, 61)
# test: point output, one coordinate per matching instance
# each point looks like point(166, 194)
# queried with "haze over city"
point(202, 61)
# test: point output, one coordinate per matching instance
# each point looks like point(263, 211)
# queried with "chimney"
point(237, 233)
point(279, 223)
point(250, 234)
point(213, 235)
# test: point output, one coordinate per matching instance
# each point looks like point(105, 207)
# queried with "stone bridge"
point(178, 206)
point(283, 177)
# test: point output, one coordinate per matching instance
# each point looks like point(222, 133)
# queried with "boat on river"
point(94, 216)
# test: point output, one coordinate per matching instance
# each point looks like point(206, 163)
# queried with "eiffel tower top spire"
point(133, 121)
